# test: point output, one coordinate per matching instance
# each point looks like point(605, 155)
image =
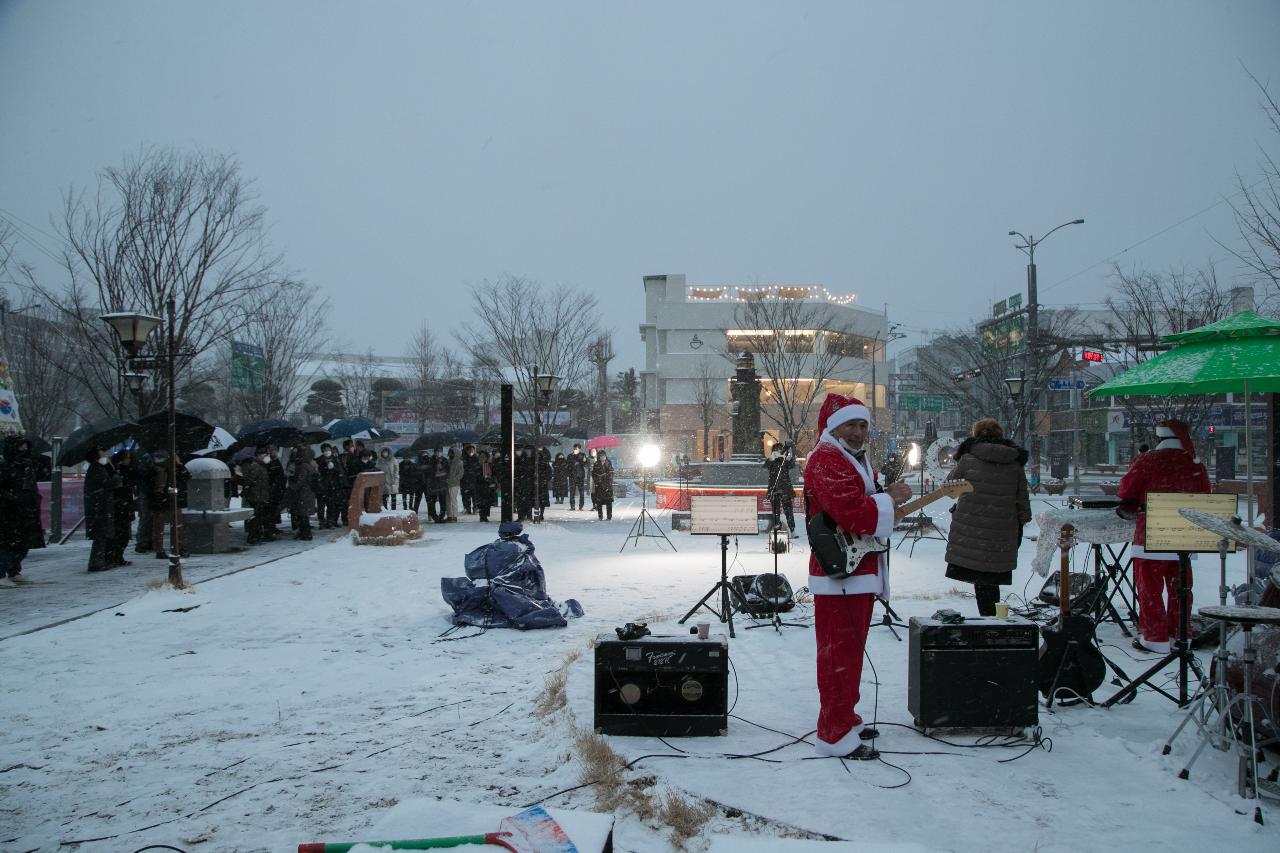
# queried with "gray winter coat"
point(986, 529)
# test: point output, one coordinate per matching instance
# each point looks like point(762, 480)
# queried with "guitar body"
point(1070, 657)
point(1071, 667)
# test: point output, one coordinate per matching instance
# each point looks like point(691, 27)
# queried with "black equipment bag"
point(765, 594)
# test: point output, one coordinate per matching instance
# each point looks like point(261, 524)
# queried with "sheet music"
point(718, 515)
point(1167, 531)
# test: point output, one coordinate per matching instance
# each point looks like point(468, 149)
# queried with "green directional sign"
point(248, 367)
point(921, 403)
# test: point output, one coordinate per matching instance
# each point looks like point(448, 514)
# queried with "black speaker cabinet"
point(662, 686)
point(977, 674)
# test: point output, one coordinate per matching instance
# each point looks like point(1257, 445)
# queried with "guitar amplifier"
point(662, 686)
point(981, 673)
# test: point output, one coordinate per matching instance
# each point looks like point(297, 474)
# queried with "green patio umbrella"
point(1240, 354)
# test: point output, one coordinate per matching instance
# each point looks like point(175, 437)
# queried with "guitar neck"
point(921, 502)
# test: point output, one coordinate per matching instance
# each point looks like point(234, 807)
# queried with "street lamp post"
point(544, 385)
point(890, 336)
point(133, 329)
point(1033, 318)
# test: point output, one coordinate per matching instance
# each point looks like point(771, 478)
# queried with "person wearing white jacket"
point(390, 469)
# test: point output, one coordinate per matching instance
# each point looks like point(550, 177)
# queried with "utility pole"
point(1033, 329)
point(600, 353)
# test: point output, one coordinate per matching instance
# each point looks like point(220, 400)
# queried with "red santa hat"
point(838, 409)
point(1176, 431)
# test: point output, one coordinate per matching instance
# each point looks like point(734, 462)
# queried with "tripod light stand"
point(919, 522)
point(647, 457)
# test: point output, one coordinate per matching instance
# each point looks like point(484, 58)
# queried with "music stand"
point(723, 516)
point(918, 524)
point(774, 618)
point(1170, 532)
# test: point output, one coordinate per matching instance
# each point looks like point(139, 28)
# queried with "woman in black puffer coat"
point(982, 546)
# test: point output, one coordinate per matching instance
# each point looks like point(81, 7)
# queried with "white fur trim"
point(1164, 432)
point(877, 584)
point(1160, 646)
point(842, 747)
point(854, 411)
point(884, 523)
point(1170, 443)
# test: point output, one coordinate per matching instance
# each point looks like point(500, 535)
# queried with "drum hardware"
point(773, 590)
point(1224, 716)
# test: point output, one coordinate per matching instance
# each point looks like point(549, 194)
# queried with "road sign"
point(921, 403)
point(1066, 384)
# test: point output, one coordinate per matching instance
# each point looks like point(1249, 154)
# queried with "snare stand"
point(775, 545)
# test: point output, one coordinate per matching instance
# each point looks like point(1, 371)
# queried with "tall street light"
point(1033, 316)
point(132, 329)
point(890, 336)
point(544, 385)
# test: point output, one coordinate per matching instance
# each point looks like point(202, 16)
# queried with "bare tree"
point(286, 324)
point(356, 375)
point(798, 348)
point(162, 225)
point(1150, 305)
point(46, 399)
point(1257, 214)
point(708, 401)
point(521, 325)
point(424, 369)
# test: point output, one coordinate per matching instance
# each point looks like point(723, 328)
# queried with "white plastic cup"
point(704, 630)
point(1002, 610)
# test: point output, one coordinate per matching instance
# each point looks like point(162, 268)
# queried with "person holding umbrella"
point(255, 493)
point(602, 485)
point(123, 505)
point(160, 502)
point(300, 492)
point(100, 484)
point(19, 508)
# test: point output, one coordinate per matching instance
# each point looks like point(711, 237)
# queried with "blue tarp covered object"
point(505, 587)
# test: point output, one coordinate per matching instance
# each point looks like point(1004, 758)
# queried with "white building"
point(689, 329)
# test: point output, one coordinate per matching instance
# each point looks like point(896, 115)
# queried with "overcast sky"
point(407, 150)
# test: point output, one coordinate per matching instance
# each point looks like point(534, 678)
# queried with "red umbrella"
point(603, 441)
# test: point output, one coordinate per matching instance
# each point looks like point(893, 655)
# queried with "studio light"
point(913, 455)
point(649, 455)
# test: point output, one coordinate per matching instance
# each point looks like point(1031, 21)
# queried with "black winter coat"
point(986, 529)
point(100, 484)
point(602, 481)
point(20, 525)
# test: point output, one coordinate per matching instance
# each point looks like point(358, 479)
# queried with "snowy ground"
point(307, 695)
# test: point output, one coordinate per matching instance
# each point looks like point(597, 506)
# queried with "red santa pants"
point(1156, 580)
point(840, 626)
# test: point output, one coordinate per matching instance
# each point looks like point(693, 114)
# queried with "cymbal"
point(1230, 529)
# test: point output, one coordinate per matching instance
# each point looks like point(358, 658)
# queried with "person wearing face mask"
point(329, 484)
point(100, 483)
point(161, 503)
point(299, 491)
point(559, 477)
point(602, 485)
point(779, 465)
point(255, 493)
point(453, 483)
point(470, 478)
point(839, 481)
point(123, 507)
point(390, 477)
point(576, 470)
point(591, 480)
point(436, 485)
point(524, 484)
point(486, 485)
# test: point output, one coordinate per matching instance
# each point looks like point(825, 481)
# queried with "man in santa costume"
point(1171, 467)
point(839, 481)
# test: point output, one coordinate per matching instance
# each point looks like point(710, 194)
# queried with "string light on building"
point(734, 293)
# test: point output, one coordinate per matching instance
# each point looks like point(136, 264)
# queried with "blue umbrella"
point(348, 427)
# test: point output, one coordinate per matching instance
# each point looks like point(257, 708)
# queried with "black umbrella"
point(431, 440)
point(192, 433)
point(315, 435)
point(38, 445)
point(271, 431)
point(494, 438)
point(405, 453)
point(464, 436)
point(243, 454)
point(100, 433)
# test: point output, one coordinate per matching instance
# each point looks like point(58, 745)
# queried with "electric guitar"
point(1071, 667)
point(839, 553)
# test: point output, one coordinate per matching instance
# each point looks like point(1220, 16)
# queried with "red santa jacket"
point(1170, 470)
point(835, 485)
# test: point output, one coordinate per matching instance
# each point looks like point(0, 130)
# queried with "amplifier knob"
point(630, 693)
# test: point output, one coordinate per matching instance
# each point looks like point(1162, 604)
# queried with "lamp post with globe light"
point(132, 331)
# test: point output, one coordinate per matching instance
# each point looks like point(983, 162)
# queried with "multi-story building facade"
point(693, 333)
